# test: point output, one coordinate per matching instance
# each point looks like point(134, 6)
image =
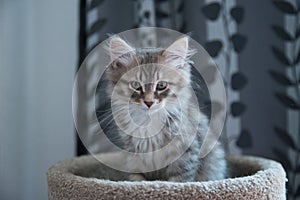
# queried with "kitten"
point(153, 105)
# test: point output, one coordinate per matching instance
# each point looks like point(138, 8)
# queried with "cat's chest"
point(146, 126)
point(154, 152)
point(148, 139)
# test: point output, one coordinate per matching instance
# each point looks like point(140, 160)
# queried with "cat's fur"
point(172, 116)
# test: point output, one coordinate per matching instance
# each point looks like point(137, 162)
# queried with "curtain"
point(251, 42)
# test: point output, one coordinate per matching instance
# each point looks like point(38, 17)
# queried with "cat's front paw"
point(136, 177)
point(181, 178)
point(175, 179)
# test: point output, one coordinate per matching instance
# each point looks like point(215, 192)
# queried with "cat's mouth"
point(148, 107)
point(142, 115)
point(153, 108)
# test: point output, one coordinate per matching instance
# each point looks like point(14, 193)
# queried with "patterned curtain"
point(248, 40)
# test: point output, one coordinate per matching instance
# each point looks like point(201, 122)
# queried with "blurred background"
point(42, 43)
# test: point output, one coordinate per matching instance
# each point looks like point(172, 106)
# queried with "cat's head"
point(149, 78)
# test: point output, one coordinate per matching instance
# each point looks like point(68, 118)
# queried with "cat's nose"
point(148, 103)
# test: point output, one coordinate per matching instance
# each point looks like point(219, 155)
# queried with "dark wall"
point(263, 111)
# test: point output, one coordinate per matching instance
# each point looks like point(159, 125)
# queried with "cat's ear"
point(179, 50)
point(118, 47)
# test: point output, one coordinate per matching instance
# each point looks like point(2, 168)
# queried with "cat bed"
point(86, 178)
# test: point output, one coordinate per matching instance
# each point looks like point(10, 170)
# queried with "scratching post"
point(86, 178)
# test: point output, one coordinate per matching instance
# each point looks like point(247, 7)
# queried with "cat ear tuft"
point(118, 47)
point(178, 50)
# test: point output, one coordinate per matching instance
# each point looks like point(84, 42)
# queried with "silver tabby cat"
point(153, 106)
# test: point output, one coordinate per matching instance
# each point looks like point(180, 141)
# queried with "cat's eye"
point(136, 85)
point(161, 85)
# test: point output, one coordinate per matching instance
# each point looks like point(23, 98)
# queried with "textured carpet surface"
point(85, 178)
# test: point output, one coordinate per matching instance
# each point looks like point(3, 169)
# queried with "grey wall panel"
point(263, 110)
